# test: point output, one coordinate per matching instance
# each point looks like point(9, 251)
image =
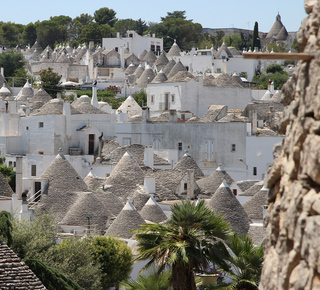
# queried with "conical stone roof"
point(139, 199)
point(161, 61)
point(276, 97)
point(254, 206)
point(142, 55)
point(138, 72)
point(5, 92)
point(87, 206)
point(160, 78)
point(55, 107)
point(187, 162)
point(5, 189)
point(211, 183)
point(174, 50)
point(169, 67)
point(25, 93)
point(41, 96)
point(150, 58)
point(131, 107)
point(93, 182)
point(130, 69)
point(177, 67)
point(127, 220)
point(224, 202)
point(153, 212)
point(147, 76)
point(84, 106)
point(3, 81)
point(276, 27)
point(181, 76)
point(111, 202)
point(125, 177)
point(222, 48)
point(251, 191)
point(36, 46)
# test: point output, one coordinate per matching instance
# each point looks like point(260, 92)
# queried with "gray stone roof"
point(138, 72)
point(262, 108)
point(176, 68)
point(147, 76)
point(93, 182)
point(181, 76)
point(54, 107)
point(88, 206)
point(169, 67)
point(159, 78)
point(234, 52)
point(187, 162)
point(108, 146)
point(236, 78)
point(36, 46)
point(139, 199)
point(63, 185)
point(153, 212)
point(276, 97)
point(130, 69)
point(174, 50)
point(208, 185)
point(234, 117)
point(5, 189)
point(25, 93)
point(208, 80)
point(283, 34)
point(5, 92)
point(83, 105)
point(163, 117)
point(224, 80)
point(251, 191)
point(125, 177)
point(110, 201)
point(276, 27)
point(137, 152)
point(142, 54)
point(41, 96)
point(14, 273)
point(161, 61)
point(3, 80)
point(254, 206)
point(225, 203)
point(258, 234)
point(131, 107)
point(150, 58)
point(223, 47)
point(127, 220)
point(214, 113)
point(245, 184)
point(131, 58)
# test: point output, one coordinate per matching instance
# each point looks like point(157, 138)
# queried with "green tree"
point(233, 40)
point(243, 265)
point(51, 32)
point(50, 81)
point(272, 68)
point(73, 258)
point(140, 97)
point(20, 77)
point(76, 27)
point(105, 16)
point(29, 34)
point(93, 32)
point(9, 34)
point(11, 61)
point(277, 47)
point(151, 280)
point(6, 227)
point(34, 239)
point(255, 38)
point(174, 14)
point(51, 278)
point(294, 45)
point(183, 243)
point(114, 258)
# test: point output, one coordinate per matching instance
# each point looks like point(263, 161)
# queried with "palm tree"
point(244, 262)
point(183, 242)
point(149, 281)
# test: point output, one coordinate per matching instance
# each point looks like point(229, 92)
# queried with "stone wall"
point(292, 251)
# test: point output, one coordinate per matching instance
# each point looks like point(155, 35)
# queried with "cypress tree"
point(255, 37)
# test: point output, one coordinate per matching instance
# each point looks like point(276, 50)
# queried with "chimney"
point(94, 100)
point(173, 118)
point(19, 176)
point(2, 71)
point(122, 63)
point(66, 108)
point(59, 95)
point(148, 156)
point(24, 213)
point(100, 146)
point(118, 34)
point(254, 121)
point(150, 185)
point(153, 35)
point(190, 184)
point(264, 209)
point(91, 45)
point(145, 115)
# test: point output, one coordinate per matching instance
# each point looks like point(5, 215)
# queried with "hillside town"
point(204, 133)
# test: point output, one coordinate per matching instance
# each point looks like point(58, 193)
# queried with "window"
point(152, 99)
point(14, 164)
point(180, 146)
point(153, 48)
point(10, 163)
point(234, 192)
point(41, 124)
point(255, 170)
point(172, 98)
point(218, 70)
point(233, 147)
point(158, 50)
point(33, 170)
point(27, 128)
point(185, 186)
point(116, 49)
point(130, 35)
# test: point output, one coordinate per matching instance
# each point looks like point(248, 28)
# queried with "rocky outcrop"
point(292, 251)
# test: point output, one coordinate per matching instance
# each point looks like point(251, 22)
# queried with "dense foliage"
point(114, 258)
point(50, 277)
point(9, 173)
point(255, 37)
point(6, 227)
point(50, 81)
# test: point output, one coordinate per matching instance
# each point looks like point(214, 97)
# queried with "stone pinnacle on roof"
point(152, 212)
point(127, 220)
point(224, 202)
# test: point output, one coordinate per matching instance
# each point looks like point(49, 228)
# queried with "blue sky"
point(209, 13)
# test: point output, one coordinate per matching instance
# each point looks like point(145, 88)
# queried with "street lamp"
point(241, 160)
point(171, 38)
